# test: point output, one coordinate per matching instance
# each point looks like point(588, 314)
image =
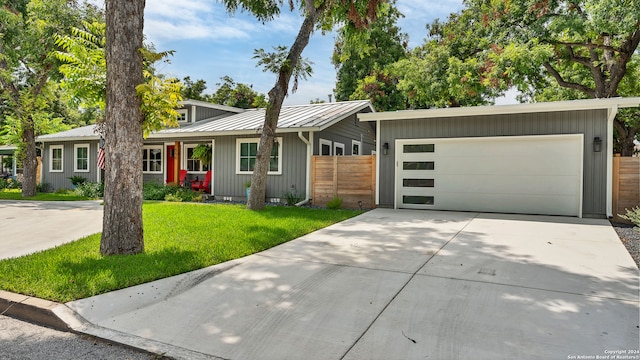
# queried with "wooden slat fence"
point(351, 178)
point(626, 185)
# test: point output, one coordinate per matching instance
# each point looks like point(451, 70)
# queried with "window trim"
point(55, 147)
point(184, 112)
point(75, 158)
point(239, 141)
point(185, 159)
point(325, 142)
point(337, 145)
point(162, 158)
point(356, 142)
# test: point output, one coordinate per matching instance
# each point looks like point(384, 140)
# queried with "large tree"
point(27, 71)
point(587, 46)
point(287, 63)
point(383, 44)
point(122, 221)
point(239, 95)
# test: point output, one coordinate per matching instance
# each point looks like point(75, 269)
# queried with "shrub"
point(154, 191)
point(77, 180)
point(633, 215)
point(292, 197)
point(335, 203)
point(43, 188)
point(171, 192)
point(90, 189)
point(10, 184)
point(172, 198)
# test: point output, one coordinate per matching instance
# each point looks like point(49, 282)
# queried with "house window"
point(81, 157)
point(182, 116)
point(247, 150)
point(56, 153)
point(338, 148)
point(355, 147)
point(194, 165)
point(152, 159)
point(325, 148)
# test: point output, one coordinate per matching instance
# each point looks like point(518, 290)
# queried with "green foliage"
point(43, 188)
point(363, 58)
point(292, 197)
point(194, 90)
point(335, 203)
point(238, 95)
point(633, 215)
point(278, 60)
point(203, 152)
point(170, 192)
point(90, 190)
point(200, 236)
point(9, 184)
point(77, 180)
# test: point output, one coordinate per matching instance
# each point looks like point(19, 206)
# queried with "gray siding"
point(60, 180)
point(344, 132)
point(228, 183)
point(589, 123)
point(207, 113)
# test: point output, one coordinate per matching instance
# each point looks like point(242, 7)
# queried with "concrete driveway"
point(394, 284)
point(30, 226)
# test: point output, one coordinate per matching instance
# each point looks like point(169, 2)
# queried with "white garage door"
point(511, 174)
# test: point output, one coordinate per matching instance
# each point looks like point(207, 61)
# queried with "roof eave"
point(555, 106)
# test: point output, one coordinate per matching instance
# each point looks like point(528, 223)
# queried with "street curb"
point(31, 309)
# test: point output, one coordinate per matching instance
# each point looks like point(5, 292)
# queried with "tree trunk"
point(626, 135)
point(276, 98)
point(30, 158)
point(122, 221)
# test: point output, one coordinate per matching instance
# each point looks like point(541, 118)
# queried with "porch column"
point(176, 162)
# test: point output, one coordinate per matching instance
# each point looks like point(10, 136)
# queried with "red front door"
point(170, 162)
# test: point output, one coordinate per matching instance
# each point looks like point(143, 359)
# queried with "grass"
point(16, 194)
point(179, 237)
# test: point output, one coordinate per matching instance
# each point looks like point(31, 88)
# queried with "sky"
point(210, 43)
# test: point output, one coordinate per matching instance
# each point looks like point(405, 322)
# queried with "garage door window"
point(418, 165)
point(418, 200)
point(418, 183)
point(419, 148)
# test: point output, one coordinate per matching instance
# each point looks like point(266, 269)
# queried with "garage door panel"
point(527, 174)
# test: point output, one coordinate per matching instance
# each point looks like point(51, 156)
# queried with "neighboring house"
point(8, 161)
point(303, 131)
point(543, 158)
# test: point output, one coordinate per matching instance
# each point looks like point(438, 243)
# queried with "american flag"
point(101, 158)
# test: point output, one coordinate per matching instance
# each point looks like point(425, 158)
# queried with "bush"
point(171, 192)
point(90, 189)
point(633, 215)
point(43, 188)
point(335, 203)
point(10, 184)
point(292, 197)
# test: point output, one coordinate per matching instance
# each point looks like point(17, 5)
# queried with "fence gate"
point(351, 178)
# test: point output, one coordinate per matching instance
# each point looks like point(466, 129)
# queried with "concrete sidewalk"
point(393, 284)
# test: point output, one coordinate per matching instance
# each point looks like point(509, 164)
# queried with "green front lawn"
point(16, 194)
point(179, 237)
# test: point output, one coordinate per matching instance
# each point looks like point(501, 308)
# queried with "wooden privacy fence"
point(626, 185)
point(351, 178)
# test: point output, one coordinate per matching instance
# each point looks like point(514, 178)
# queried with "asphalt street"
point(20, 340)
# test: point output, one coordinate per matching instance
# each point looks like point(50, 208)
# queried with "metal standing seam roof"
point(309, 117)
point(292, 117)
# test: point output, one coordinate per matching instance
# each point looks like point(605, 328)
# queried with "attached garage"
point(543, 158)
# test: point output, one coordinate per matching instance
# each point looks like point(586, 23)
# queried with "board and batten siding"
point(226, 183)
point(344, 132)
point(60, 180)
point(591, 123)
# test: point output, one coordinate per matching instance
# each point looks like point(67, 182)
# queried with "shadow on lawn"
point(93, 276)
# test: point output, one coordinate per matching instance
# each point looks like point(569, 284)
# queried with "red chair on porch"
point(183, 177)
point(202, 185)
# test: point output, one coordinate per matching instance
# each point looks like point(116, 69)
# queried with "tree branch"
point(556, 75)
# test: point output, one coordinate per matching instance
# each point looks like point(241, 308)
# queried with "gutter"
point(309, 154)
point(612, 112)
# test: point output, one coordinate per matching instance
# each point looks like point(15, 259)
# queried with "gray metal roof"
point(309, 117)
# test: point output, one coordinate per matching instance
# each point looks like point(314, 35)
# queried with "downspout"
point(612, 114)
point(309, 154)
